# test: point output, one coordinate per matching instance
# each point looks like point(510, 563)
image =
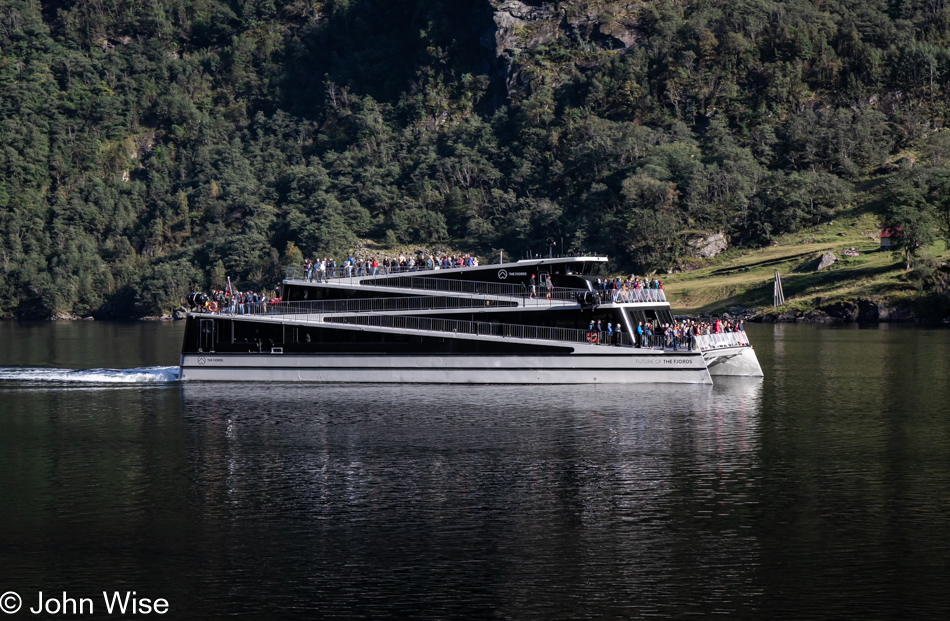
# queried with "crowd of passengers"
point(627, 289)
point(677, 335)
point(325, 269)
point(237, 302)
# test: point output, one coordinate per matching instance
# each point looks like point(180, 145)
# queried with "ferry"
point(522, 322)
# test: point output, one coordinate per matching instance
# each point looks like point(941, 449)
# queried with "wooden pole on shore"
point(778, 297)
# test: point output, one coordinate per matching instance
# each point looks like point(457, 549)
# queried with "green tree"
point(292, 255)
point(910, 216)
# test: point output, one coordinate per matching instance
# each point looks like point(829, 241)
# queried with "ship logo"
point(201, 360)
point(502, 274)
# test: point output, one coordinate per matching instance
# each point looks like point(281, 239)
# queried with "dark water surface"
point(822, 491)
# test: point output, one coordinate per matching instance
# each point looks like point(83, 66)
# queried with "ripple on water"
point(48, 377)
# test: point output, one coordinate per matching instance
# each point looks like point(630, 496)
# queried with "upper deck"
point(571, 283)
point(566, 269)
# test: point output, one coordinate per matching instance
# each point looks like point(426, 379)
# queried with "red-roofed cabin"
point(887, 235)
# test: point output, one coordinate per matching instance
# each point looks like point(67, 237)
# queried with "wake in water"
point(46, 376)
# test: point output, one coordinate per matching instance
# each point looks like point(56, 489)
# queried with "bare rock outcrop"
point(524, 24)
point(519, 25)
point(708, 245)
point(852, 311)
point(827, 260)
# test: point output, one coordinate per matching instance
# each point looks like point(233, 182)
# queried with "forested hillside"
point(151, 146)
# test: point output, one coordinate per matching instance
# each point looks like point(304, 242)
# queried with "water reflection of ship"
point(699, 420)
point(561, 478)
point(707, 422)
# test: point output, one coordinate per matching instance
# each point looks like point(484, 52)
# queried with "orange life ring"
point(213, 307)
point(591, 337)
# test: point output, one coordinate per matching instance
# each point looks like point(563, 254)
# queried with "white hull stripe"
point(436, 369)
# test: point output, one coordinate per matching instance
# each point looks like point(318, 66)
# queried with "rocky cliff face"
point(882, 310)
point(518, 26)
point(523, 25)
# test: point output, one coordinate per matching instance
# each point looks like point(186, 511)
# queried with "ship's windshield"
point(585, 268)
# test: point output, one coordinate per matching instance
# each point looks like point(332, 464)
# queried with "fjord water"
point(820, 491)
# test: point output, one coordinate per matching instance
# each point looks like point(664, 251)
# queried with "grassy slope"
point(745, 277)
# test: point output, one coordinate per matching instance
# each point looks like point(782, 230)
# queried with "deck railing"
point(368, 305)
point(626, 296)
point(297, 272)
point(446, 285)
point(653, 341)
point(479, 328)
point(383, 277)
point(424, 283)
point(544, 333)
point(724, 339)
